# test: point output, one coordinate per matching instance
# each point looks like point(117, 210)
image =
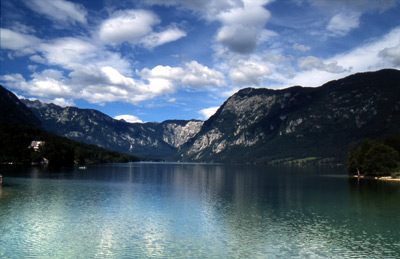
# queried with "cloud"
point(241, 26)
point(59, 10)
point(88, 70)
point(357, 5)
point(22, 28)
point(128, 118)
point(391, 54)
point(342, 23)
point(248, 73)
point(242, 21)
point(127, 26)
point(47, 84)
point(377, 54)
point(159, 38)
point(213, 7)
point(67, 51)
point(208, 112)
point(192, 74)
point(301, 47)
point(98, 86)
point(37, 59)
point(374, 55)
point(23, 43)
point(344, 15)
point(243, 44)
point(136, 27)
point(107, 84)
point(311, 63)
point(198, 75)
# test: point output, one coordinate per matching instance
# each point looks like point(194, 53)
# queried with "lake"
point(172, 210)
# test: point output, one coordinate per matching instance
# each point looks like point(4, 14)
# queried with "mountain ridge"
point(151, 139)
point(255, 125)
point(263, 125)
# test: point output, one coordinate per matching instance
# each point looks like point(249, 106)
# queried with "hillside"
point(261, 125)
point(19, 127)
point(13, 111)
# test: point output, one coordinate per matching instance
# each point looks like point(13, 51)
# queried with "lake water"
point(145, 210)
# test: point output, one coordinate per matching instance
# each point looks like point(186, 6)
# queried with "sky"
point(153, 60)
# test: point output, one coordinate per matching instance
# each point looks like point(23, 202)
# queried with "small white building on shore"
point(36, 144)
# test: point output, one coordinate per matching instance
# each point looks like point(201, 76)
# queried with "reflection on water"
point(196, 211)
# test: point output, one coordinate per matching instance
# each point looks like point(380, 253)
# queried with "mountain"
point(156, 140)
point(262, 125)
point(253, 126)
point(19, 128)
point(12, 110)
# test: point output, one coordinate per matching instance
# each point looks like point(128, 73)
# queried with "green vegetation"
point(375, 158)
point(307, 161)
point(15, 141)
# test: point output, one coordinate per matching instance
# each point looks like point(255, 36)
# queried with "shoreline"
point(382, 178)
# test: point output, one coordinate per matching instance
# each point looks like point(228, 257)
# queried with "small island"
point(376, 159)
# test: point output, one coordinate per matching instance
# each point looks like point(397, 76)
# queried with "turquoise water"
point(151, 210)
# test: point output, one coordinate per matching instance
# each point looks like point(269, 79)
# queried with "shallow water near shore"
point(144, 210)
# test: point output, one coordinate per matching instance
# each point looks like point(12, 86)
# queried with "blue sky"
point(153, 60)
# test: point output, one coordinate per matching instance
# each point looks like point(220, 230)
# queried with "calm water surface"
point(145, 210)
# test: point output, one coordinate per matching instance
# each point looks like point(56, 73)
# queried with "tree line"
point(375, 157)
point(15, 148)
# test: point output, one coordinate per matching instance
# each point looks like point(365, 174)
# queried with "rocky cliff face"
point(259, 125)
point(177, 133)
point(157, 140)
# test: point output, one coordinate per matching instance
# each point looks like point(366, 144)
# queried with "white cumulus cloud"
point(193, 74)
point(67, 51)
point(248, 73)
point(127, 25)
point(136, 27)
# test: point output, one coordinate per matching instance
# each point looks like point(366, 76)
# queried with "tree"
point(373, 158)
point(356, 161)
point(381, 159)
